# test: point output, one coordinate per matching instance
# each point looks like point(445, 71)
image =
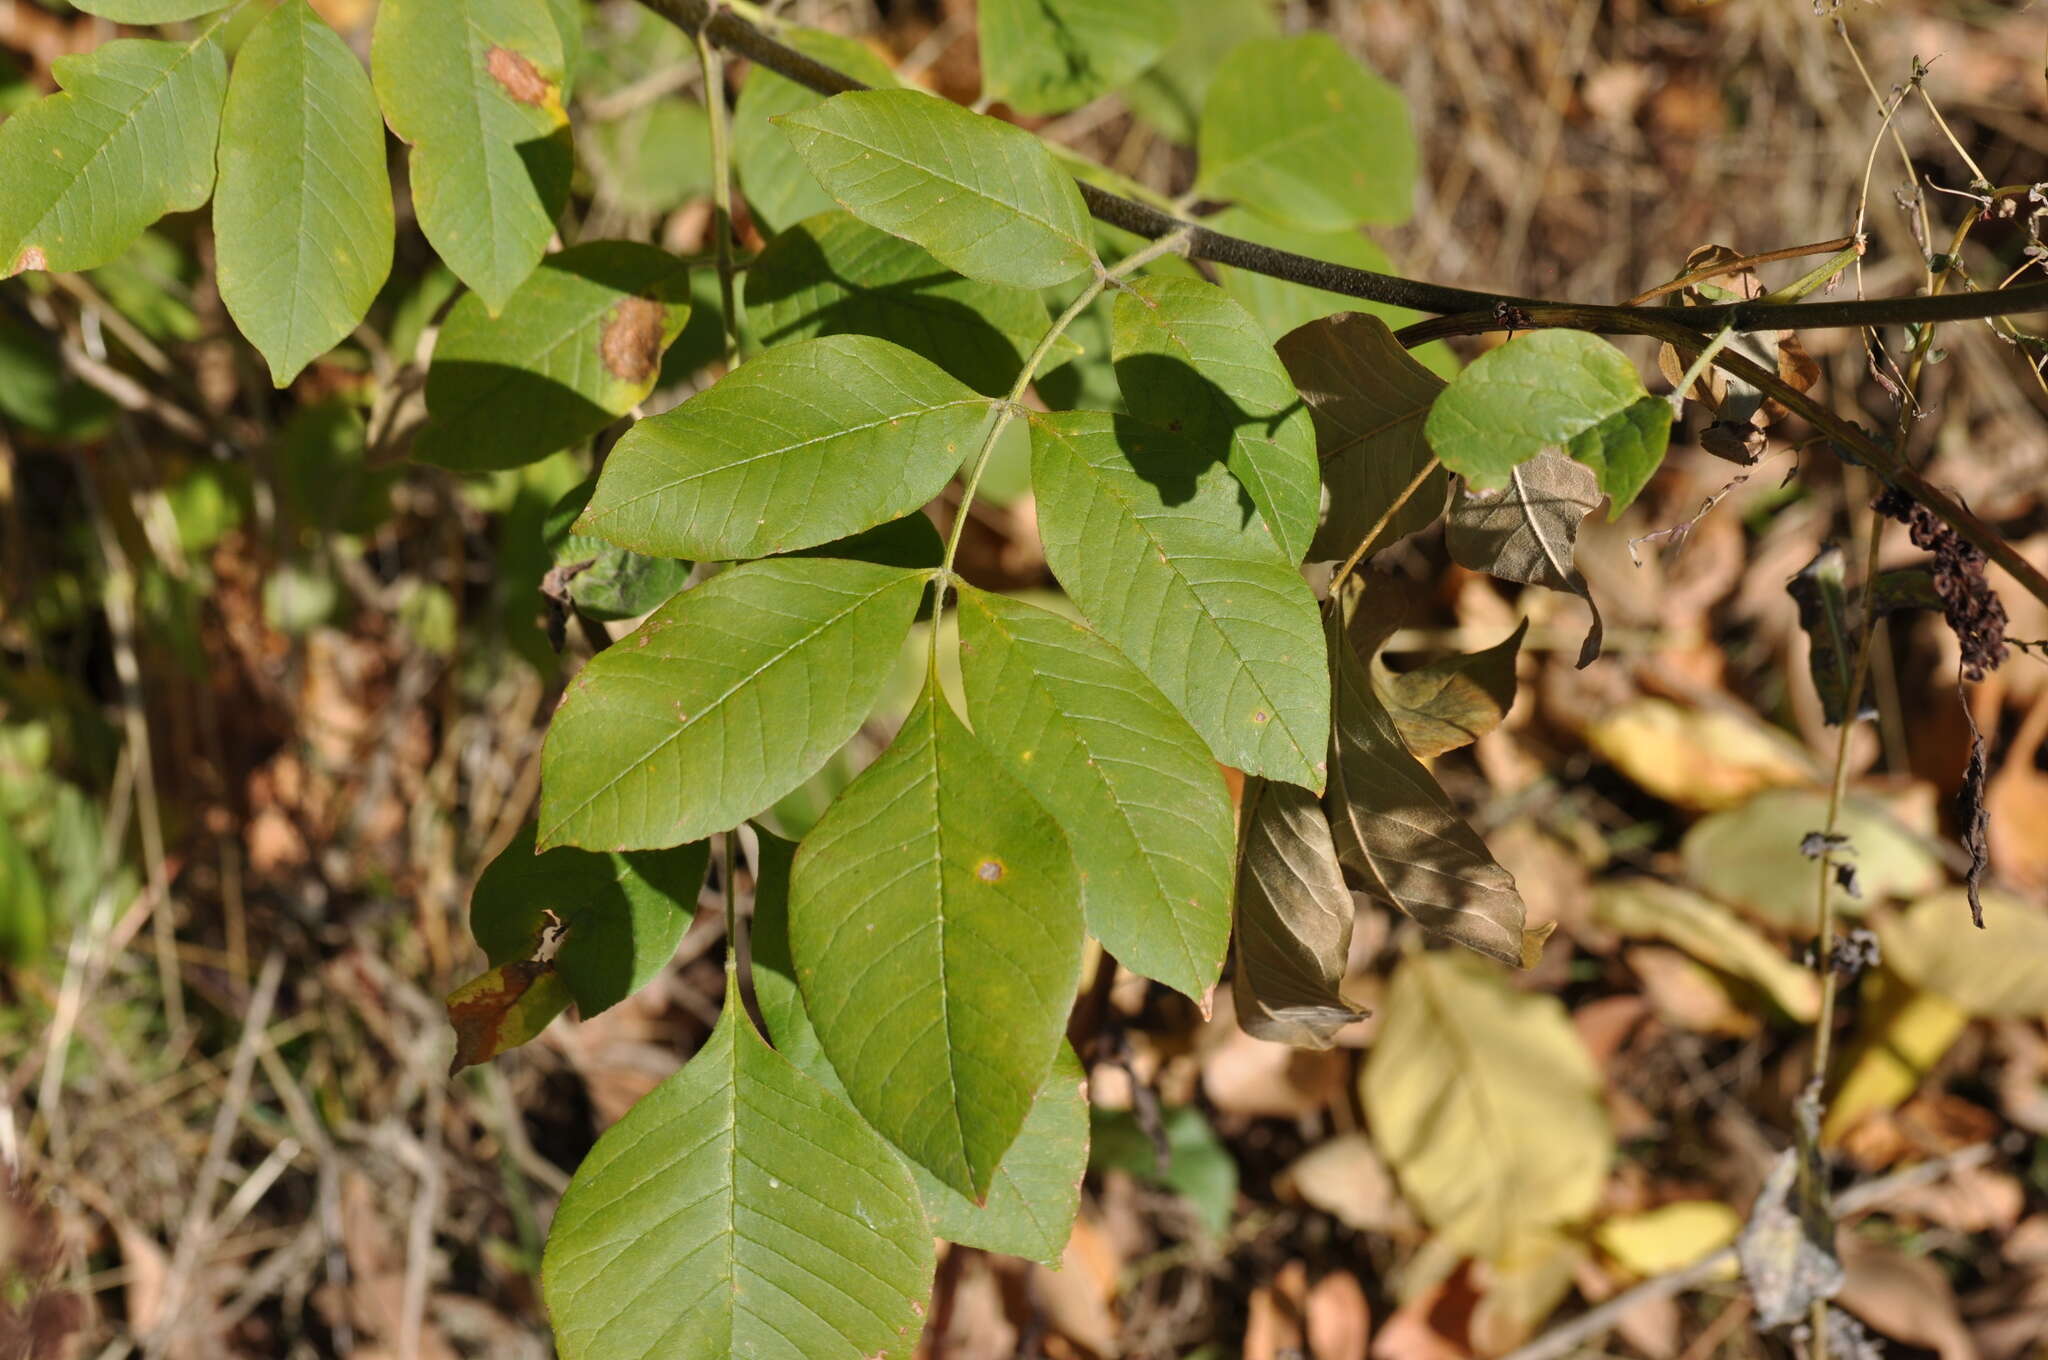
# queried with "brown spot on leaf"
point(30, 258)
point(989, 871)
point(520, 77)
point(631, 341)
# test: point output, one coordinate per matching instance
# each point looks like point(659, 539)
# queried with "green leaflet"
point(653, 159)
point(302, 216)
point(727, 698)
point(1297, 130)
point(578, 345)
point(779, 186)
point(1167, 557)
point(1048, 56)
point(1191, 359)
point(1128, 780)
point(833, 275)
point(808, 443)
point(1036, 1190)
point(625, 914)
point(983, 196)
point(1552, 390)
point(148, 11)
point(1170, 95)
point(935, 921)
point(738, 1209)
point(135, 117)
point(475, 87)
point(1368, 399)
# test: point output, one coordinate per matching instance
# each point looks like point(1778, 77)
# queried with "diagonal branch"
point(728, 30)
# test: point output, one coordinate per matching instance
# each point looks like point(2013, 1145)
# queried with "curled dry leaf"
point(1398, 836)
point(1451, 702)
point(1528, 530)
point(1293, 921)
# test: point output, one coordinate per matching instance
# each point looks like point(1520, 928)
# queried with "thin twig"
point(1716, 271)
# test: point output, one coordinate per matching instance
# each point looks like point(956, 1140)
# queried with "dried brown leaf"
point(1528, 530)
point(1294, 913)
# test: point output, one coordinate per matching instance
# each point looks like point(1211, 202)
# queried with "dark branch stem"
point(735, 34)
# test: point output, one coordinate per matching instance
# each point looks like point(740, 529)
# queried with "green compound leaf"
point(1484, 1103)
point(1048, 56)
point(1166, 556)
point(1191, 359)
point(779, 186)
point(1297, 130)
point(1127, 779)
point(983, 196)
point(738, 1209)
point(834, 275)
point(624, 914)
point(148, 11)
point(605, 582)
point(1036, 1190)
point(302, 216)
point(808, 443)
point(1368, 400)
point(130, 138)
point(1564, 390)
point(730, 696)
point(475, 88)
point(935, 921)
point(578, 345)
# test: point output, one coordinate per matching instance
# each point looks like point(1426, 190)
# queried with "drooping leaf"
point(620, 916)
point(1367, 398)
point(935, 921)
point(833, 274)
point(1529, 530)
point(602, 581)
point(475, 88)
point(1485, 1103)
point(2001, 970)
point(1294, 920)
point(1551, 390)
point(1296, 129)
point(302, 216)
point(730, 696)
point(1170, 95)
point(1190, 359)
point(130, 137)
point(1048, 56)
point(140, 12)
point(1400, 839)
point(1750, 855)
point(780, 188)
point(738, 1209)
point(1125, 776)
point(983, 196)
point(1451, 702)
point(808, 443)
point(576, 346)
point(1821, 591)
point(1036, 1191)
point(1199, 1168)
point(1166, 557)
point(1650, 908)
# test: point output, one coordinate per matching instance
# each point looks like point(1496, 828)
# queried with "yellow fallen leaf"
point(1669, 1237)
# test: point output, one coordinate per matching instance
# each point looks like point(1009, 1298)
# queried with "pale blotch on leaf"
point(630, 343)
point(31, 258)
point(520, 78)
point(990, 871)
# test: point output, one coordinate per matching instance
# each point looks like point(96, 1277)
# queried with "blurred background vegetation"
point(271, 695)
